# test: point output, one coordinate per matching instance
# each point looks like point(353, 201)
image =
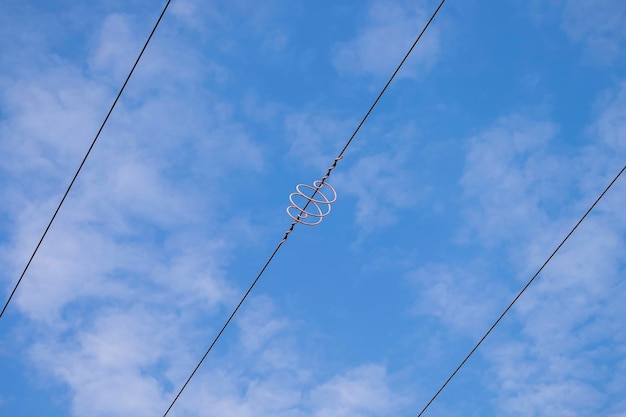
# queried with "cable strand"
point(293, 224)
point(80, 167)
point(371, 108)
point(519, 294)
point(219, 334)
point(406, 56)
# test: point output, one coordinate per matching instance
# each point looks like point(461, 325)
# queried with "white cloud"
point(130, 266)
point(117, 47)
point(260, 328)
point(519, 197)
point(599, 25)
point(106, 365)
point(316, 139)
point(509, 176)
point(49, 115)
point(221, 22)
point(128, 286)
point(595, 24)
point(375, 171)
point(458, 297)
point(245, 383)
point(361, 392)
point(611, 124)
point(381, 186)
point(126, 181)
point(376, 180)
point(390, 29)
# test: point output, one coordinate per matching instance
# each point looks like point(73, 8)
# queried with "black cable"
point(225, 325)
point(406, 56)
point(519, 294)
point(67, 191)
point(288, 232)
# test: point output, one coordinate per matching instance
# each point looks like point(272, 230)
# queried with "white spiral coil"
point(311, 203)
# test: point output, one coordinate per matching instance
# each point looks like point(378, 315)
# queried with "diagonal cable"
point(288, 232)
point(482, 339)
point(80, 167)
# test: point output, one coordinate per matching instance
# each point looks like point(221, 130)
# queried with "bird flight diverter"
point(311, 203)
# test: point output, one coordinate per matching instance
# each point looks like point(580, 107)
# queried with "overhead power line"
point(80, 167)
point(519, 294)
point(318, 185)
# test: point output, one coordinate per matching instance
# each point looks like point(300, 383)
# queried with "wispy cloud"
point(138, 274)
point(382, 188)
point(378, 178)
point(611, 123)
point(315, 139)
point(116, 47)
point(458, 296)
point(509, 176)
point(131, 279)
point(379, 46)
point(363, 391)
point(596, 25)
point(557, 365)
point(114, 295)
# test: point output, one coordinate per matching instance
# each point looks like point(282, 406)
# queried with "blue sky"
point(503, 127)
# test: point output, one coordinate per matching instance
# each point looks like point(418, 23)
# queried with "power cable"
point(93, 143)
point(318, 185)
point(458, 368)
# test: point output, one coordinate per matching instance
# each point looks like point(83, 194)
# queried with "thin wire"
point(293, 224)
point(67, 191)
point(432, 17)
point(520, 293)
point(340, 156)
point(226, 324)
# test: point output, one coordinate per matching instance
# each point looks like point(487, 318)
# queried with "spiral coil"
point(305, 197)
point(311, 203)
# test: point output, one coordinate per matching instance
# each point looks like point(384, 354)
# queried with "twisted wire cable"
point(321, 205)
point(302, 213)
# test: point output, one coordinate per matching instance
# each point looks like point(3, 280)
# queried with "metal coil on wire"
point(311, 203)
